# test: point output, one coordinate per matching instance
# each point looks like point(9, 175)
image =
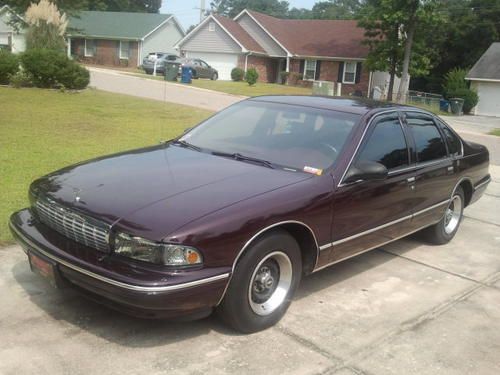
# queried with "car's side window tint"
point(454, 143)
point(428, 141)
point(386, 144)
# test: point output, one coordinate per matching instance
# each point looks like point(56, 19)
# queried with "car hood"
point(153, 191)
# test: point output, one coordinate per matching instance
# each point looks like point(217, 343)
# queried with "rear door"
point(434, 169)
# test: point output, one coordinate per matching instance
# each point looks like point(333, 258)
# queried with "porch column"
point(287, 64)
point(69, 48)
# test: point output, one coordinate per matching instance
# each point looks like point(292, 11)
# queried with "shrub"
point(21, 79)
point(51, 69)
point(237, 74)
point(9, 65)
point(252, 76)
point(46, 26)
point(284, 77)
point(456, 86)
point(74, 76)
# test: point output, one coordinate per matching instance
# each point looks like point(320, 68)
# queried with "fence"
point(423, 99)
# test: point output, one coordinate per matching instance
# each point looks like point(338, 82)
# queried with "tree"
point(46, 26)
point(337, 9)
point(396, 44)
point(231, 8)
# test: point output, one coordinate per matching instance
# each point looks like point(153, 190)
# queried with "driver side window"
point(386, 144)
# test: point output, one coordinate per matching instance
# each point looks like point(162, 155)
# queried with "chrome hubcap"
point(452, 214)
point(270, 283)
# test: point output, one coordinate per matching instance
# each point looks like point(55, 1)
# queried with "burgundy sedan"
point(233, 213)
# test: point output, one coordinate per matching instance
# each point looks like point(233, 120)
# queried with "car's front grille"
point(75, 226)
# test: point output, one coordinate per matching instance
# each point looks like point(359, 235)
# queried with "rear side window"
point(428, 141)
point(454, 143)
point(386, 144)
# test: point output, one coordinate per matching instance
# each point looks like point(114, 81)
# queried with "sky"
point(187, 14)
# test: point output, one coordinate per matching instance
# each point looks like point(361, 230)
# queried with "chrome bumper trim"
point(479, 186)
point(136, 288)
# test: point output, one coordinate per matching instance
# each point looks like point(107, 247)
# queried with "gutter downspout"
point(246, 60)
point(139, 52)
point(370, 79)
point(69, 48)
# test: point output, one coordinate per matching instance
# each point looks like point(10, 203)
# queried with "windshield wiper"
point(238, 156)
point(186, 144)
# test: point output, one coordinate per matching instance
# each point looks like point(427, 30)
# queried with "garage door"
point(489, 99)
point(223, 62)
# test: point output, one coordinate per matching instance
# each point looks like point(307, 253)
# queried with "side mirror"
point(365, 170)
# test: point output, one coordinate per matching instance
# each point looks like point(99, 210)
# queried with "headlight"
point(154, 252)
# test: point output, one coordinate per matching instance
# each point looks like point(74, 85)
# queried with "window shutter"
point(318, 68)
point(302, 65)
point(359, 66)
point(341, 72)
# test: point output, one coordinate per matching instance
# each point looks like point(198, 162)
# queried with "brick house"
point(121, 38)
point(309, 50)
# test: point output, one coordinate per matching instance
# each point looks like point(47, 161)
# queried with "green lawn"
point(42, 130)
point(495, 132)
point(241, 88)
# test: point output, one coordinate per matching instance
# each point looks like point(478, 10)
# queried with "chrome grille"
point(72, 225)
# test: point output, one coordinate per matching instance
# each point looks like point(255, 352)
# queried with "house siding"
point(107, 53)
point(163, 39)
point(329, 71)
point(260, 36)
point(211, 41)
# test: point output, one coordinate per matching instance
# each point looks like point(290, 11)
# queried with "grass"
point(495, 132)
point(42, 130)
point(241, 88)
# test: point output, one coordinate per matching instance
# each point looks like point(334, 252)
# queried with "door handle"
point(410, 179)
point(451, 169)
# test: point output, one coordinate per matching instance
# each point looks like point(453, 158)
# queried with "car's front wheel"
point(214, 77)
point(447, 227)
point(263, 283)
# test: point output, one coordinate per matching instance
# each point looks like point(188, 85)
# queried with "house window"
point(89, 47)
point(124, 50)
point(349, 72)
point(309, 70)
point(211, 26)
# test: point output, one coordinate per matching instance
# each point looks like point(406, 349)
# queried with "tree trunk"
point(401, 98)
point(393, 64)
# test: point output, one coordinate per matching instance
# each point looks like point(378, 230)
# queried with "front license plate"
point(44, 268)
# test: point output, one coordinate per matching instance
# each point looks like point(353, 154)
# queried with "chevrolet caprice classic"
point(230, 215)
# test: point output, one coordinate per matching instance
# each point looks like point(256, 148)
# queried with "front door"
point(367, 214)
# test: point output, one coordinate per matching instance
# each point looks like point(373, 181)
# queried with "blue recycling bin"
point(186, 74)
point(444, 105)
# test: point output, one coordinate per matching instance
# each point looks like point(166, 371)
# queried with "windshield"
point(301, 138)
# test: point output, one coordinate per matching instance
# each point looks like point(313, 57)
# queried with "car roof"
point(353, 105)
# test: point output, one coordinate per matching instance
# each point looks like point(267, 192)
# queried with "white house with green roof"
point(11, 38)
point(121, 38)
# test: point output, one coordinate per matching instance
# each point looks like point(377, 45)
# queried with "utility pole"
point(202, 10)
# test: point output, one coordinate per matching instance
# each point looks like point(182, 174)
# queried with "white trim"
point(263, 28)
point(355, 72)
point(211, 17)
point(120, 50)
point(483, 79)
point(330, 58)
point(85, 54)
point(305, 70)
point(211, 26)
point(69, 48)
point(139, 52)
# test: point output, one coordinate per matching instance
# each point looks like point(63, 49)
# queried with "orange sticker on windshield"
point(312, 170)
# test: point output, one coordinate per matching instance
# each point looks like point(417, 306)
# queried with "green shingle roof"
point(115, 25)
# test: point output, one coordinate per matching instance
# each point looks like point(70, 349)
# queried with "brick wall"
point(107, 53)
point(266, 67)
point(329, 71)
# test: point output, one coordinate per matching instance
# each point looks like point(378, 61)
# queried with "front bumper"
point(119, 284)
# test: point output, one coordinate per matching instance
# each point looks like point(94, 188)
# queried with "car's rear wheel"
point(214, 77)
point(447, 227)
point(263, 283)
